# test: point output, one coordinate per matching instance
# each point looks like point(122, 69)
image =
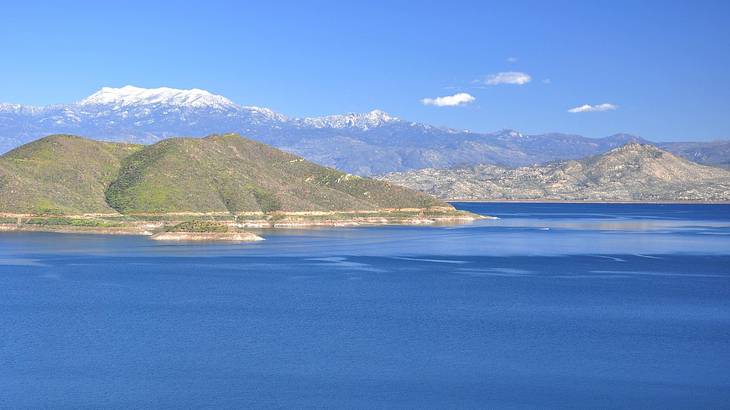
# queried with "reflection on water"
point(552, 305)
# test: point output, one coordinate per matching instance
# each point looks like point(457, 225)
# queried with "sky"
point(658, 69)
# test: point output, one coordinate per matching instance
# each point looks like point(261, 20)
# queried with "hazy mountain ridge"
point(364, 144)
point(633, 172)
point(715, 153)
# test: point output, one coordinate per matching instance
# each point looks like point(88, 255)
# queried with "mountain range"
point(364, 144)
point(633, 172)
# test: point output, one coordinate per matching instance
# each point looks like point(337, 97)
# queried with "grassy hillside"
point(230, 173)
point(60, 174)
point(66, 175)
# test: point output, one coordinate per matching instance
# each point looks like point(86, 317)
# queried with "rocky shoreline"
point(74, 230)
point(233, 228)
point(586, 201)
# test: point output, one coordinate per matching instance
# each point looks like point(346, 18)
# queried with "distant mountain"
point(130, 96)
point(715, 152)
point(132, 114)
point(64, 174)
point(633, 172)
point(364, 144)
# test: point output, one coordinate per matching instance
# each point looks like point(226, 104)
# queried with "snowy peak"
point(130, 95)
point(378, 116)
point(19, 109)
point(10, 107)
point(507, 134)
point(262, 113)
point(364, 121)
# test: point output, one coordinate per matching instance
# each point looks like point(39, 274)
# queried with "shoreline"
point(8, 228)
point(238, 226)
point(577, 201)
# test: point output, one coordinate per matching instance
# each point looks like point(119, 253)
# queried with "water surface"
point(552, 305)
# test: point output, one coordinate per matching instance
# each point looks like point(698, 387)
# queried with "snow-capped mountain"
point(364, 121)
point(126, 96)
point(368, 143)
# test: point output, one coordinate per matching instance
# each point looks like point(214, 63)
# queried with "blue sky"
point(663, 66)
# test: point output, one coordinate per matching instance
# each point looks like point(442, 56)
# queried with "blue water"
point(551, 306)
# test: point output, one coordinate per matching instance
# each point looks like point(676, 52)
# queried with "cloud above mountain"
point(508, 77)
point(449, 100)
point(593, 108)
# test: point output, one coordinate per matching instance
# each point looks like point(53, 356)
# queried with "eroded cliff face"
point(633, 172)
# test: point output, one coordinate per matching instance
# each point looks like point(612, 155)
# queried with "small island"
point(204, 231)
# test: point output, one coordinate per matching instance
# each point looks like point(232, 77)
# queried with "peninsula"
point(66, 183)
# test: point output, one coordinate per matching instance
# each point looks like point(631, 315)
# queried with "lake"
point(550, 306)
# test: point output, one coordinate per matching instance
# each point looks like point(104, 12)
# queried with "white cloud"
point(449, 100)
point(593, 108)
point(511, 60)
point(508, 77)
point(547, 81)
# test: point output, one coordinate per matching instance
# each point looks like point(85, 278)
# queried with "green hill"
point(60, 174)
point(226, 173)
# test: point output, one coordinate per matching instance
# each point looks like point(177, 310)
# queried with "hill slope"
point(227, 173)
point(633, 172)
point(230, 173)
point(60, 174)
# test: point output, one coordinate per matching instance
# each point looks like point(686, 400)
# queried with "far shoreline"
point(165, 227)
point(575, 201)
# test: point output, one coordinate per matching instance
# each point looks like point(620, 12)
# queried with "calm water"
point(558, 305)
